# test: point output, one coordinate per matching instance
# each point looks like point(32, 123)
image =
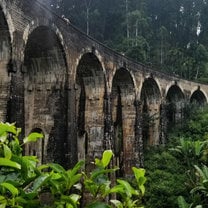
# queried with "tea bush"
point(24, 183)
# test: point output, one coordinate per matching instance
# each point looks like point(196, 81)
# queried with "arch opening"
point(90, 107)
point(5, 40)
point(44, 54)
point(151, 100)
point(45, 80)
point(37, 148)
point(123, 117)
point(198, 98)
point(175, 105)
point(5, 56)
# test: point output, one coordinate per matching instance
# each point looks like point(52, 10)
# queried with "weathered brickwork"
point(82, 96)
point(5, 53)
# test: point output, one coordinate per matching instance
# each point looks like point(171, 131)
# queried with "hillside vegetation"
point(177, 175)
point(171, 35)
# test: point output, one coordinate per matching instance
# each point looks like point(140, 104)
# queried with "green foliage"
point(130, 197)
point(33, 137)
point(201, 186)
point(166, 178)
point(169, 34)
point(183, 204)
point(193, 152)
point(99, 185)
point(196, 125)
point(25, 184)
point(97, 182)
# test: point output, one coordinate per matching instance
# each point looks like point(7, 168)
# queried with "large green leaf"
point(55, 176)
point(203, 172)
point(139, 173)
point(182, 203)
point(75, 197)
point(73, 180)
point(9, 163)
point(140, 178)
point(107, 155)
point(101, 172)
point(57, 168)
point(118, 189)
point(7, 152)
point(8, 128)
point(72, 200)
point(76, 168)
point(40, 181)
point(198, 145)
point(3, 205)
point(3, 201)
point(69, 205)
point(33, 137)
point(2, 178)
point(98, 205)
point(116, 203)
point(42, 167)
point(3, 137)
point(13, 190)
point(127, 187)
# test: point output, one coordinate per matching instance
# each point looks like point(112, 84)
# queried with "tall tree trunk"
point(136, 43)
point(87, 16)
point(161, 50)
point(127, 19)
point(87, 5)
point(197, 72)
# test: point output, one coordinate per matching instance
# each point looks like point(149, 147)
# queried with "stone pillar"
point(154, 122)
point(108, 127)
point(71, 146)
point(5, 85)
point(139, 154)
point(128, 127)
point(15, 67)
point(16, 102)
point(163, 123)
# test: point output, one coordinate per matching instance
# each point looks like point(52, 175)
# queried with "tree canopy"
point(171, 35)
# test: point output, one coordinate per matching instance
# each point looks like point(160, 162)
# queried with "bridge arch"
point(35, 24)
point(5, 62)
point(90, 91)
point(123, 95)
point(198, 97)
point(45, 81)
point(175, 100)
point(151, 101)
point(89, 50)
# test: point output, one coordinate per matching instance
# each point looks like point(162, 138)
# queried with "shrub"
point(166, 178)
point(25, 184)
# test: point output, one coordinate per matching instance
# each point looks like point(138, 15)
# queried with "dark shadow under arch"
point(45, 81)
point(198, 98)
point(150, 98)
point(174, 106)
point(174, 94)
point(150, 90)
point(123, 116)
point(44, 52)
point(90, 84)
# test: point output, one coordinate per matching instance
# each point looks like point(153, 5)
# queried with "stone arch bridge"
point(81, 95)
